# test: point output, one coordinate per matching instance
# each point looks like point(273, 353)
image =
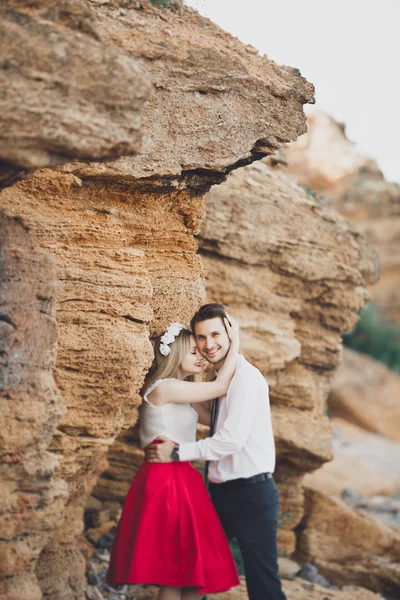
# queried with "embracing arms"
point(243, 397)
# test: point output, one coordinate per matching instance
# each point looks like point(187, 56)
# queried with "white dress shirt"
point(243, 443)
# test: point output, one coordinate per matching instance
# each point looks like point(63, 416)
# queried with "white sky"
point(350, 51)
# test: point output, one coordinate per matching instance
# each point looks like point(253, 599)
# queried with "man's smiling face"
point(212, 340)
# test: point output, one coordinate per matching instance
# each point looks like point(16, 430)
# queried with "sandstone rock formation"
point(215, 105)
point(32, 498)
point(349, 546)
point(121, 233)
point(363, 462)
point(365, 392)
point(55, 106)
point(326, 162)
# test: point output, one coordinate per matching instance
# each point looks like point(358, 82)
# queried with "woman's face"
point(193, 361)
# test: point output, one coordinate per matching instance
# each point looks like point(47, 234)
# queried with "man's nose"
point(209, 343)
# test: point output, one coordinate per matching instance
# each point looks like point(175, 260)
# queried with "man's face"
point(212, 340)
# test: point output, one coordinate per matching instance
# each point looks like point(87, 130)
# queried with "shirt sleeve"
point(242, 399)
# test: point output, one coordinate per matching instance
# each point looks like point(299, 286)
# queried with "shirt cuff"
point(188, 451)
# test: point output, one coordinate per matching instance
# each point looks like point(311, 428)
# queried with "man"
point(243, 458)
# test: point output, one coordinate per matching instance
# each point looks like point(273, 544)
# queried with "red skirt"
point(169, 533)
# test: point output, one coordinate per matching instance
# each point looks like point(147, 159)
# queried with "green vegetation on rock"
point(160, 3)
point(376, 337)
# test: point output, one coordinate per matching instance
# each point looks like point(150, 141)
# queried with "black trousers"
point(249, 512)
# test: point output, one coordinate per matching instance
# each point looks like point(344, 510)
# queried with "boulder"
point(325, 161)
point(363, 462)
point(348, 546)
point(365, 392)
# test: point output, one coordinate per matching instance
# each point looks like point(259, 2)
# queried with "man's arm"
point(242, 401)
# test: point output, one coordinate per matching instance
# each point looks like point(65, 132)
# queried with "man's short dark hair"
point(207, 312)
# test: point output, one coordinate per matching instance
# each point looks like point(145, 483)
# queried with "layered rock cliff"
point(32, 499)
point(119, 234)
point(55, 106)
point(325, 161)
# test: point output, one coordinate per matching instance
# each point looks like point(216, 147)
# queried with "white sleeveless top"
point(175, 421)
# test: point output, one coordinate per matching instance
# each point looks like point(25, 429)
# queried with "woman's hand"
point(232, 329)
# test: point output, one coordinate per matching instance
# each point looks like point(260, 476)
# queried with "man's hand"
point(159, 453)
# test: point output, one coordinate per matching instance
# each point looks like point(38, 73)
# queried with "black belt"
point(234, 483)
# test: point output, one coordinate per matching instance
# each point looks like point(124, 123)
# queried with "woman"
point(169, 533)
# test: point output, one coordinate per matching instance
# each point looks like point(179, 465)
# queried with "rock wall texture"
point(120, 234)
point(215, 102)
point(325, 161)
point(365, 392)
point(32, 497)
point(54, 106)
point(349, 546)
point(365, 463)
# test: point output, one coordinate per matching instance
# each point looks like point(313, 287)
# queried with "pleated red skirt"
point(169, 533)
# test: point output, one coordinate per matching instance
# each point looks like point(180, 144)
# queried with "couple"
point(170, 533)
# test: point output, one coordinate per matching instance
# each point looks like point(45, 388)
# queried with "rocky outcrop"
point(349, 546)
point(121, 234)
point(32, 499)
point(216, 104)
point(363, 462)
point(365, 392)
point(115, 249)
point(56, 110)
point(56, 107)
point(326, 162)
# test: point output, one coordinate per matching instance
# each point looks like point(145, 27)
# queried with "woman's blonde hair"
point(164, 367)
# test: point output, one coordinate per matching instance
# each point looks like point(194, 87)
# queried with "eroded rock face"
point(65, 95)
point(115, 248)
point(364, 463)
point(349, 546)
point(121, 233)
point(365, 392)
point(215, 103)
point(32, 497)
point(325, 161)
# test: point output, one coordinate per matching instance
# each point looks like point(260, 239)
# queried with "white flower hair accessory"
point(169, 336)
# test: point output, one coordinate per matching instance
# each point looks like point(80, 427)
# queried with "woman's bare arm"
point(186, 392)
